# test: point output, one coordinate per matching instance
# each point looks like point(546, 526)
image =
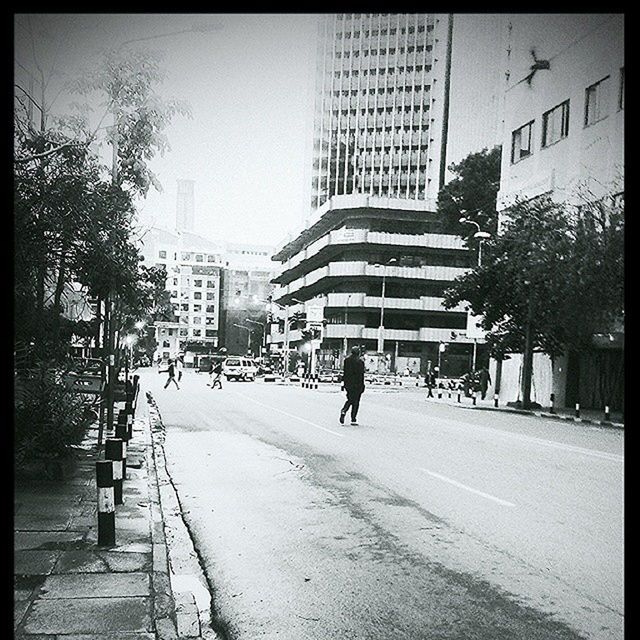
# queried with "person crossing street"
point(353, 384)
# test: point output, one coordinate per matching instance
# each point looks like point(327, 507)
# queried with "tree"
point(547, 281)
point(472, 193)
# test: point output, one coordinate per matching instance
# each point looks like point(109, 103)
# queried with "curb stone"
point(193, 620)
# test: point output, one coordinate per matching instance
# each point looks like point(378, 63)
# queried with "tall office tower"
point(185, 205)
point(381, 108)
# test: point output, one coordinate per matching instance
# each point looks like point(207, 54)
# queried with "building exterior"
point(246, 287)
point(194, 266)
point(377, 267)
point(564, 136)
point(371, 252)
point(380, 120)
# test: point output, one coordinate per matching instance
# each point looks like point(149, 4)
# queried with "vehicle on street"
point(329, 375)
point(238, 368)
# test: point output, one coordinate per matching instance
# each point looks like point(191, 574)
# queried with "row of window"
point(555, 122)
point(197, 257)
point(392, 31)
point(420, 48)
point(409, 88)
point(383, 71)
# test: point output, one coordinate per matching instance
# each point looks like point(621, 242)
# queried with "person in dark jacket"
point(485, 381)
point(171, 370)
point(430, 381)
point(353, 384)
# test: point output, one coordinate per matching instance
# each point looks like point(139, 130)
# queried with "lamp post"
point(262, 327)
point(381, 327)
point(346, 322)
point(481, 236)
point(250, 331)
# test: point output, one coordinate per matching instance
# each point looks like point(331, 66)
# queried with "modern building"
point(380, 119)
point(371, 252)
point(564, 136)
point(377, 267)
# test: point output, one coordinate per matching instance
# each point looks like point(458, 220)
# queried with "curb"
point(538, 414)
point(165, 615)
point(192, 621)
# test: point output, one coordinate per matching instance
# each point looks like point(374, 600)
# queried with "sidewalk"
point(67, 585)
point(587, 416)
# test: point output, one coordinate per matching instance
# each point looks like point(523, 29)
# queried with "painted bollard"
point(113, 451)
point(122, 433)
point(495, 399)
point(129, 413)
point(577, 409)
point(607, 413)
point(106, 503)
point(459, 399)
point(475, 397)
point(552, 401)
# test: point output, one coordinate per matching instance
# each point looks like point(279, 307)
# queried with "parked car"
point(237, 368)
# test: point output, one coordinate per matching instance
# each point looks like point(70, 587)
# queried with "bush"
point(48, 417)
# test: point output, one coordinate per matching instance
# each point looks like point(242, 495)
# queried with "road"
point(425, 521)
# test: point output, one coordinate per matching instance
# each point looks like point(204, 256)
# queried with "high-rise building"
point(373, 254)
point(380, 119)
point(185, 205)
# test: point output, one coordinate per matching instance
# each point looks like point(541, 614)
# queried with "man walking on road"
point(171, 370)
point(485, 381)
point(353, 384)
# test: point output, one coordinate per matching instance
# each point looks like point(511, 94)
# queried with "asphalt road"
point(423, 522)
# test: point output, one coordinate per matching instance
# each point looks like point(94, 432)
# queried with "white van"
point(238, 368)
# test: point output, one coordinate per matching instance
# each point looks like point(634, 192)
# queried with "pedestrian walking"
point(485, 381)
point(216, 375)
point(171, 370)
point(179, 367)
point(430, 381)
point(353, 384)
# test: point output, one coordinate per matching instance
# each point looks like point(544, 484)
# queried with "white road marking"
point(471, 489)
point(291, 415)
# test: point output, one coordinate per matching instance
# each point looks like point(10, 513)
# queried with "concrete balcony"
point(343, 331)
point(360, 301)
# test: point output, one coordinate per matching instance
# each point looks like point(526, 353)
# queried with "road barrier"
point(106, 503)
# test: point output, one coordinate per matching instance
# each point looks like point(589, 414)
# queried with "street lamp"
point(480, 235)
point(346, 322)
point(381, 327)
point(250, 331)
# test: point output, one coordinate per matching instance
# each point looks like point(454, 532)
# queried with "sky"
point(248, 82)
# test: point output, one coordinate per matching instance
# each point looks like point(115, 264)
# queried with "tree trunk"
point(527, 359)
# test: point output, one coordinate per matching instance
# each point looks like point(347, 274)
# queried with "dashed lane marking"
point(455, 483)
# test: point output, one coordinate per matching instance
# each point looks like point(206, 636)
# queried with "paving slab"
point(47, 539)
point(34, 561)
point(89, 616)
point(96, 585)
point(101, 562)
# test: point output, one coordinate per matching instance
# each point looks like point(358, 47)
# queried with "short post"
point(128, 408)
point(459, 396)
point(449, 393)
point(577, 409)
point(316, 380)
point(122, 433)
point(113, 451)
point(106, 503)
point(475, 397)
point(439, 392)
point(495, 399)
point(607, 413)
point(552, 401)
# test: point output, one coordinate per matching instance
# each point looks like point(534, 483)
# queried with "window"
point(197, 283)
point(197, 320)
point(197, 332)
point(197, 308)
point(555, 124)
point(211, 295)
point(595, 103)
point(197, 295)
point(166, 343)
point(162, 254)
point(211, 284)
point(210, 333)
point(521, 142)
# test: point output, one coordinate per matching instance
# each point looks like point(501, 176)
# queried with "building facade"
point(564, 137)
point(194, 266)
point(380, 120)
point(378, 268)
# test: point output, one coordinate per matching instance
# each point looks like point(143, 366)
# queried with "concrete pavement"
point(65, 585)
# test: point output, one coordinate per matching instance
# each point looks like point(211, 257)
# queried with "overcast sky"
point(248, 86)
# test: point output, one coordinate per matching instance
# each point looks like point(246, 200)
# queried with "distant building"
point(185, 205)
point(194, 266)
point(564, 136)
